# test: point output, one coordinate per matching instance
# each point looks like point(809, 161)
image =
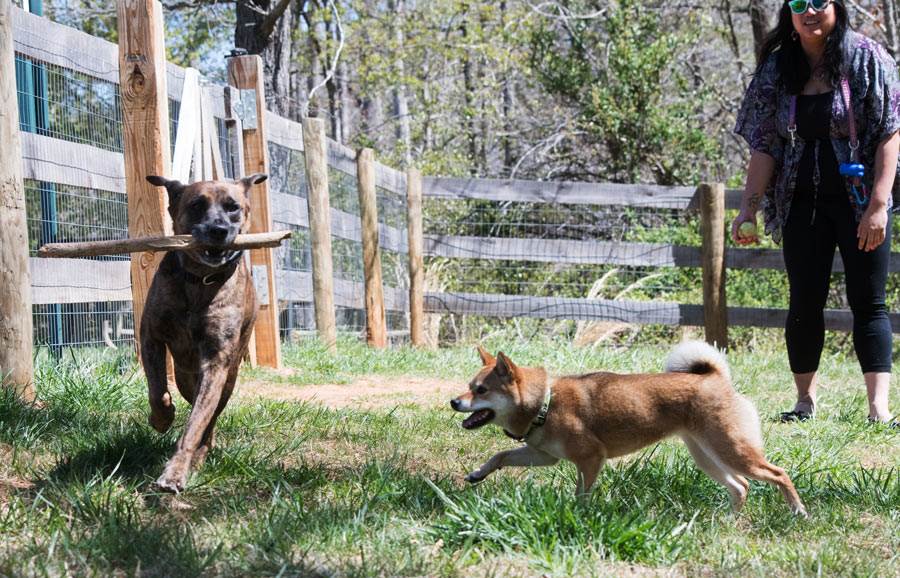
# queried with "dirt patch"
point(367, 392)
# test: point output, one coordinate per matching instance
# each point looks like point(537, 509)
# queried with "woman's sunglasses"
point(801, 6)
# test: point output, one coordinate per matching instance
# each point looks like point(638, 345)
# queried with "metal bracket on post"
point(245, 109)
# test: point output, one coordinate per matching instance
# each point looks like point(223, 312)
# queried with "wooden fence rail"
point(619, 254)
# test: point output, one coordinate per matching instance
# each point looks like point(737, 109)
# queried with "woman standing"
point(821, 117)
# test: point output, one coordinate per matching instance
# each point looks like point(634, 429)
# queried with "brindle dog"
point(202, 307)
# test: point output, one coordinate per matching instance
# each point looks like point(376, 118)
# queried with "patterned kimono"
point(763, 121)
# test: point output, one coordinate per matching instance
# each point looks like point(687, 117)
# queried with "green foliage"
point(635, 101)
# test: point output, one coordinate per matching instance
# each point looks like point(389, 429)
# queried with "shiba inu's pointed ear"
point(486, 358)
point(505, 367)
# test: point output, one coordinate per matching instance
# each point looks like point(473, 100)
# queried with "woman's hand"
point(744, 238)
point(872, 227)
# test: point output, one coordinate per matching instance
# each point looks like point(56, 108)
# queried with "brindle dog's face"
point(213, 212)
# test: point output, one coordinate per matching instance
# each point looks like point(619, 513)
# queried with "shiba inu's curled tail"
point(697, 357)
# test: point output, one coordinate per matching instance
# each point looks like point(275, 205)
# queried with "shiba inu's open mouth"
point(478, 418)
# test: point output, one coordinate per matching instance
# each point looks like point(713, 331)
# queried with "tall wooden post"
point(246, 74)
point(316, 152)
point(15, 280)
point(712, 255)
point(145, 122)
point(376, 325)
point(416, 243)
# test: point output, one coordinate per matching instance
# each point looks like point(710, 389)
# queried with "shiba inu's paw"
point(475, 477)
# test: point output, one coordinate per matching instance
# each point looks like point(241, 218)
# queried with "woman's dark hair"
point(791, 64)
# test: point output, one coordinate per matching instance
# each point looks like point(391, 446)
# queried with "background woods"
point(590, 90)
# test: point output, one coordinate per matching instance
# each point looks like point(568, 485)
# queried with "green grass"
point(298, 490)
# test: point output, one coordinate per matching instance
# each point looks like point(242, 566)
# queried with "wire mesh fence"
point(67, 92)
point(586, 270)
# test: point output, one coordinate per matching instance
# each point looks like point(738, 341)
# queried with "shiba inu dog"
point(588, 419)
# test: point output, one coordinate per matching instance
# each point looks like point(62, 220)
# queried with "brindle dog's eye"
point(231, 206)
point(480, 389)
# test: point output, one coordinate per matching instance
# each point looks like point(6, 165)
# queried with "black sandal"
point(795, 415)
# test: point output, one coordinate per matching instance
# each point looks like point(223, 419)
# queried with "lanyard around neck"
point(845, 92)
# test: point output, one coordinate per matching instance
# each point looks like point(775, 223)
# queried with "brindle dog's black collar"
point(538, 420)
point(219, 276)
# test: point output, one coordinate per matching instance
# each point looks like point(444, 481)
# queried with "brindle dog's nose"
point(454, 403)
point(217, 233)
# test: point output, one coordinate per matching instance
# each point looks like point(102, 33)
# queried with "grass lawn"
point(372, 487)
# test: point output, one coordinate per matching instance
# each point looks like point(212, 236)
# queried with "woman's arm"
point(872, 228)
point(759, 174)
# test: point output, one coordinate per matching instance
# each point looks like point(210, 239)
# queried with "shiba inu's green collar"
point(538, 420)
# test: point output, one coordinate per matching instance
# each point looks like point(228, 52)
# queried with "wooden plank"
point(145, 123)
point(558, 192)
point(293, 210)
point(315, 145)
point(712, 257)
point(298, 286)
point(492, 305)
point(57, 161)
point(636, 312)
point(605, 253)
point(188, 127)
point(376, 324)
point(44, 40)
point(232, 120)
point(562, 251)
point(285, 132)
point(416, 257)
point(16, 328)
point(390, 179)
point(79, 281)
point(211, 135)
point(341, 158)
point(246, 73)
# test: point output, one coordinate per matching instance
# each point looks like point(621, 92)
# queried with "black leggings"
point(808, 254)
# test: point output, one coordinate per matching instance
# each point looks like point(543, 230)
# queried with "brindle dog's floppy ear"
point(505, 367)
point(253, 179)
point(486, 358)
point(175, 188)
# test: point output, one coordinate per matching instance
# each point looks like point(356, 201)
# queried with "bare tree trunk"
point(331, 87)
point(890, 27)
point(269, 35)
point(759, 20)
point(506, 140)
point(345, 102)
point(468, 93)
point(401, 104)
point(313, 47)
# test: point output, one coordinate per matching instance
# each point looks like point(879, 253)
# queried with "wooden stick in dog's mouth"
point(161, 243)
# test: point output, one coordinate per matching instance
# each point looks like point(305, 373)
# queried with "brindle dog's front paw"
point(171, 484)
point(474, 477)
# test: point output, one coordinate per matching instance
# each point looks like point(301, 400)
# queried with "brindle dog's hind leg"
point(162, 408)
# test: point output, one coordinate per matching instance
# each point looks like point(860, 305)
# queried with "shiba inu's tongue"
point(478, 419)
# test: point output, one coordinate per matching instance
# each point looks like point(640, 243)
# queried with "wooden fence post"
point(416, 242)
point(16, 329)
point(712, 256)
point(246, 74)
point(376, 325)
point(316, 152)
point(145, 127)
